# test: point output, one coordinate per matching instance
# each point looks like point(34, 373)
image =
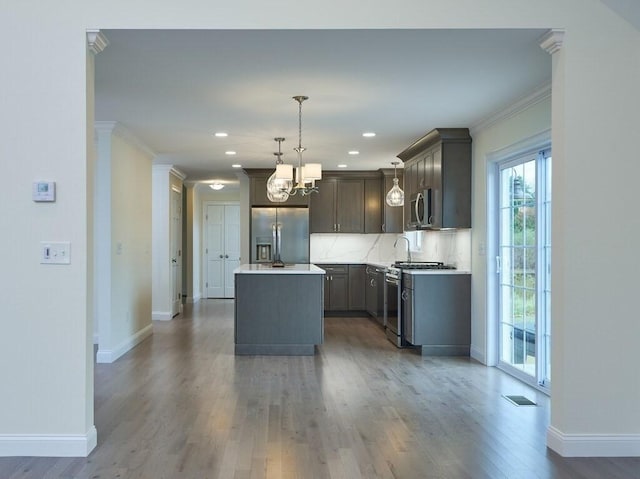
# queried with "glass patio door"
point(523, 266)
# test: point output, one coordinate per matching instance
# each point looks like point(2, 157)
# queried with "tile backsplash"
point(451, 247)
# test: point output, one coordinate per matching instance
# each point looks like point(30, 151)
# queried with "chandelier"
point(278, 190)
point(305, 176)
point(395, 196)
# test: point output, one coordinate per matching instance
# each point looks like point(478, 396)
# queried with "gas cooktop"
point(422, 265)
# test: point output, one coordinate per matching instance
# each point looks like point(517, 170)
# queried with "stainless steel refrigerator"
point(280, 234)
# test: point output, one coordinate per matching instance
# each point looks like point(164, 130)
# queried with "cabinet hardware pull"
point(498, 265)
point(404, 295)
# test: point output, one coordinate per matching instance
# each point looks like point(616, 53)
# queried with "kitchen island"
point(278, 311)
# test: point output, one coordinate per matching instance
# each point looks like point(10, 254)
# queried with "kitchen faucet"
point(408, 246)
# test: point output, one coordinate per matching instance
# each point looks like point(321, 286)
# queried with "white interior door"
point(214, 251)
point(222, 248)
point(232, 247)
point(176, 251)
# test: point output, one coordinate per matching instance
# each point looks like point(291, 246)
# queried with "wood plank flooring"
point(181, 405)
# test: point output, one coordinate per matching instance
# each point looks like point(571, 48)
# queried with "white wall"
point(45, 357)
point(530, 117)
point(128, 320)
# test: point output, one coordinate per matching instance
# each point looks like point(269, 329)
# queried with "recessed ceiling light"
point(216, 186)
point(354, 152)
point(368, 134)
point(221, 134)
point(229, 152)
point(236, 166)
point(342, 166)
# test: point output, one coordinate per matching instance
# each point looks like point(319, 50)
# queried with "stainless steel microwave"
point(420, 209)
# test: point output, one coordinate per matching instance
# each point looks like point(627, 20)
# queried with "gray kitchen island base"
point(279, 311)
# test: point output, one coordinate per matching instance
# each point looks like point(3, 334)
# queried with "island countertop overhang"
point(287, 269)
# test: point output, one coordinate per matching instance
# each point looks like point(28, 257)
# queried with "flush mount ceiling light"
point(305, 176)
point(278, 189)
point(354, 152)
point(216, 186)
point(368, 134)
point(236, 165)
point(229, 152)
point(221, 134)
point(342, 165)
point(395, 196)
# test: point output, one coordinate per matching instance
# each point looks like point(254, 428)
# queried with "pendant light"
point(305, 176)
point(278, 189)
point(395, 196)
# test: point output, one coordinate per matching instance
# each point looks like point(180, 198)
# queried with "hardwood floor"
point(181, 405)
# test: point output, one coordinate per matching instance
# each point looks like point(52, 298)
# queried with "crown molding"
point(121, 131)
point(170, 169)
point(97, 41)
point(519, 106)
point(551, 42)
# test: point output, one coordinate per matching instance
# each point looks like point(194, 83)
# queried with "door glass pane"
point(524, 232)
point(518, 275)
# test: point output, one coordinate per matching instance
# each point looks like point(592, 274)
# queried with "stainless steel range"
point(398, 299)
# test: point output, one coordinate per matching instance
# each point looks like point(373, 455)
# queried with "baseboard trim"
point(49, 445)
point(110, 355)
point(194, 299)
point(161, 315)
point(593, 445)
point(478, 355)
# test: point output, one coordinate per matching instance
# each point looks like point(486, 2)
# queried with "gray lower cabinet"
point(336, 287)
point(344, 287)
point(436, 313)
point(374, 293)
point(357, 278)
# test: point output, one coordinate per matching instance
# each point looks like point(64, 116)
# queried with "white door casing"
point(232, 247)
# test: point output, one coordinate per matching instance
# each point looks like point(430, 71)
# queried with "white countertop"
point(288, 269)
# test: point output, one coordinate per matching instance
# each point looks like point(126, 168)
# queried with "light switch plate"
point(55, 252)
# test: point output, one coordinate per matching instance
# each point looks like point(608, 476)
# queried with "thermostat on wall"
point(44, 191)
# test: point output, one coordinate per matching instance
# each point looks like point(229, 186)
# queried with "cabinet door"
point(392, 215)
point(259, 192)
point(373, 199)
point(322, 208)
point(350, 206)
point(410, 190)
point(371, 293)
point(357, 278)
point(420, 169)
point(339, 292)
point(436, 189)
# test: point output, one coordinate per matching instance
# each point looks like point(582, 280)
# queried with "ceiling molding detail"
point(521, 105)
point(551, 42)
point(118, 129)
point(97, 41)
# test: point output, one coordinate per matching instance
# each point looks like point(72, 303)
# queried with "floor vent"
point(520, 400)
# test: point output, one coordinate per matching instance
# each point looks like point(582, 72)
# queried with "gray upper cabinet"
point(439, 166)
point(354, 202)
point(338, 207)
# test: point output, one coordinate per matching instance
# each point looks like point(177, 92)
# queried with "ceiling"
point(174, 89)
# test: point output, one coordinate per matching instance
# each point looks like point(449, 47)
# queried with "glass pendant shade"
point(395, 196)
point(278, 190)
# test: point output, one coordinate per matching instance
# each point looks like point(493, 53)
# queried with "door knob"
point(226, 255)
point(222, 256)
